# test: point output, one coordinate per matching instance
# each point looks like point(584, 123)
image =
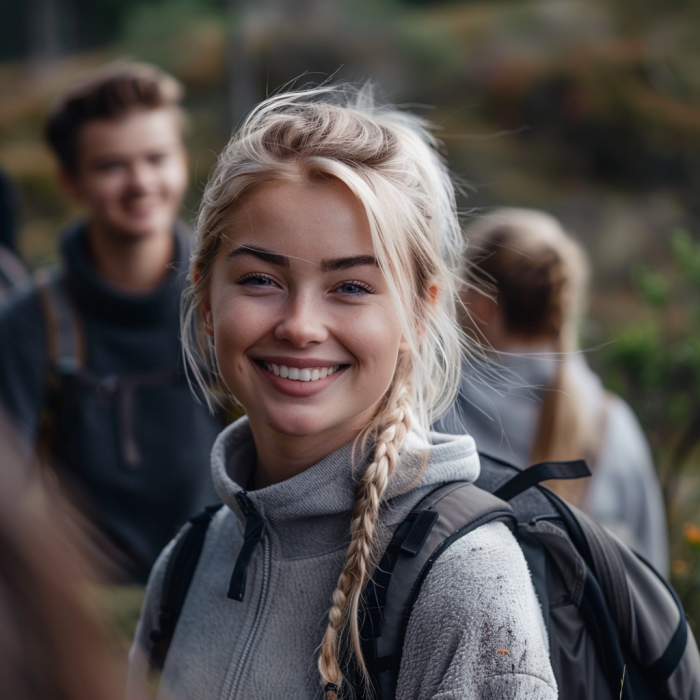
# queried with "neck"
point(280, 457)
point(136, 265)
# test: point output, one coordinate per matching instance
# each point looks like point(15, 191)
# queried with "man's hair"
point(109, 93)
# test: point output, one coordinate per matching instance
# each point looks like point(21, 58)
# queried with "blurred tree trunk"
point(250, 24)
point(43, 33)
point(241, 61)
point(51, 30)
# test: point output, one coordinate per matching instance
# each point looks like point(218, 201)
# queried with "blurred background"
point(589, 109)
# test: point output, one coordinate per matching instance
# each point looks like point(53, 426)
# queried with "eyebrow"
point(327, 265)
point(266, 255)
point(346, 263)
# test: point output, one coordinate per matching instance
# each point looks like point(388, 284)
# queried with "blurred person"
point(52, 644)
point(524, 298)
point(12, 269)
point(90, 356)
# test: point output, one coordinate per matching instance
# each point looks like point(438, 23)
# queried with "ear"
point(433, 296)
point(205, 308)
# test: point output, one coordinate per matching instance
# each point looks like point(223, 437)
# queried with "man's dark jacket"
point(137, 504)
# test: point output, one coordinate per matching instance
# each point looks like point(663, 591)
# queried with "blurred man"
point(90, 358)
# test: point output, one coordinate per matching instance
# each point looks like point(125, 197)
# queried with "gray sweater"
point(478, 598)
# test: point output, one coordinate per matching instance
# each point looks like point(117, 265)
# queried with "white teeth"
point(300, 375)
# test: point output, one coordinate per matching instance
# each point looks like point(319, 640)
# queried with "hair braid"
point(394, 425)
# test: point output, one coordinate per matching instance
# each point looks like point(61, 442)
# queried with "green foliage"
point(655, 365)
point(663, 354)
point(653, 286)
point(154, 31)
point(687, 254)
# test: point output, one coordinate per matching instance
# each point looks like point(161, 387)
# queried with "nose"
point(303, 322)
point(140, 178)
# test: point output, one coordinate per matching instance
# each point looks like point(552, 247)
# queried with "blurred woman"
point(51, 645)
point(524, 298)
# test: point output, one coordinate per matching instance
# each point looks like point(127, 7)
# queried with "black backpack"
point(616, 628)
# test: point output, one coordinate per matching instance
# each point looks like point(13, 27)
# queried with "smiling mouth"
point(300, 375)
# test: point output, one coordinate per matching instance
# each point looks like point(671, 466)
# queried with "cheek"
point(102, 192)
point(174, 178)
point(374, 337)
point(238, 323)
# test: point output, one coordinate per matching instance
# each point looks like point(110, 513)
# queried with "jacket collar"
point(328, 488)
point(98, 299)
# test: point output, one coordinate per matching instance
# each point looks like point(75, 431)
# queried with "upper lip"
point(300, 363)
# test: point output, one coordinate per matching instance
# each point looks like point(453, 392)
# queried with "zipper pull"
point(254, 532)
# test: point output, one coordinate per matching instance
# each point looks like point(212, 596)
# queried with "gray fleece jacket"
point(476, 602)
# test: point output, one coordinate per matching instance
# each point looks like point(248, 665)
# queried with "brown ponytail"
point(537, 275)
point(560, 434)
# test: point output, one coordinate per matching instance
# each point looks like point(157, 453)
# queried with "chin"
point(299, 426)
point(141, 229)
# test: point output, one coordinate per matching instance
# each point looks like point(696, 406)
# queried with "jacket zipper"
point(242, 661)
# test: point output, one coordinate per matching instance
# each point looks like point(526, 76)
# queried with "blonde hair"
point(390, 161)
point(539, 276)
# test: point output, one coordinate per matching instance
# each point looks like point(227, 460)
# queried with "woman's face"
point(305, 333)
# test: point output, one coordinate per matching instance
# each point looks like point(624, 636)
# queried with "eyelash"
point(356, 283)
point(256, 275)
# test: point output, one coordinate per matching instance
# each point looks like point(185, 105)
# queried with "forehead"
point(308, 220)
point(131, 134)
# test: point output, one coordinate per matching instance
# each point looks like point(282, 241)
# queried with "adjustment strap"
point(536, 474)
point(667, 663)
point(418, 534)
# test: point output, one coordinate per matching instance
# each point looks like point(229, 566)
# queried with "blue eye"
point(353, 288)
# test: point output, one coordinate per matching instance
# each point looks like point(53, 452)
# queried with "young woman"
point(528, 308)
point(322, 297)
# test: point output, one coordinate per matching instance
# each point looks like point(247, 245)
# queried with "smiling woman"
point(322, 298)
point(277, 297)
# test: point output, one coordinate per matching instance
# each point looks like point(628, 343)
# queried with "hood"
point(328, 487)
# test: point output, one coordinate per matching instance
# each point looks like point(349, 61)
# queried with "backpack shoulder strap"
point(179, 573)
point(65, 351)
point(447, 514)
point(537, 473)
point(64, 329)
